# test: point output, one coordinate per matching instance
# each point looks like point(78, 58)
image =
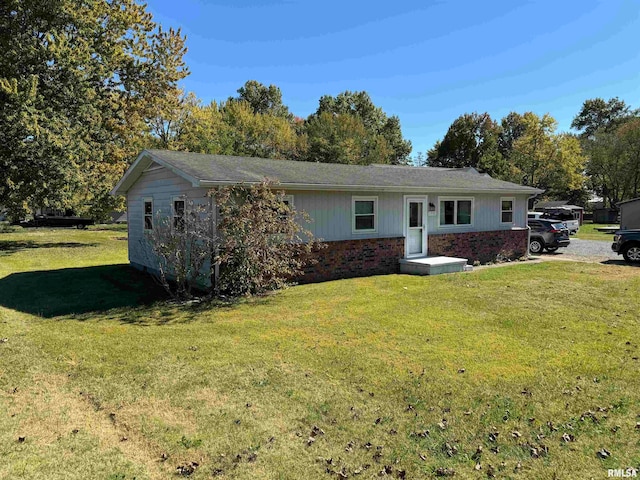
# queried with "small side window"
point(364, 214)
point(178, 214)
point(506, 210)
point(288, 201)
point(148, 213)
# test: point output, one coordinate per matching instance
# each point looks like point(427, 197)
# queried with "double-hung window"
point(147, 205)
point(456, 211)
point(178, 213)
point(364, 214)
point(506, 209)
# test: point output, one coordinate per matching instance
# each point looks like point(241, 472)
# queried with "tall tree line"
point(603, 156)
point(347, 128)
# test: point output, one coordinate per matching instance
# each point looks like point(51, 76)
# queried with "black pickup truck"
point(627, 244)
point(57, 221)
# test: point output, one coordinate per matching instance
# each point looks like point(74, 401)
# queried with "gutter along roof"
point(204, 170)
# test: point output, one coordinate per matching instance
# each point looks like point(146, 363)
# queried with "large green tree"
point(343, 138)
point(263, 100)
point(599, 114)
point(613, 162)
point(471, 141)
point(544, 159)
point(377, 138)
point(610, 135)
point(233, 128)
point(81, 80)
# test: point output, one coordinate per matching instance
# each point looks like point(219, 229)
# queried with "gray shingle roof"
point(220, 169)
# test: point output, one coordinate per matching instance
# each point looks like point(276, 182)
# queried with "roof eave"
point(139, 165)
point(394, 188)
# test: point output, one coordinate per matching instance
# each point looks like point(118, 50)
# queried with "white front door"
point(415, 216)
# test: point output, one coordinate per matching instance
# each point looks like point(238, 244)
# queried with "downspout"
point(214, 219)
point(526, 219)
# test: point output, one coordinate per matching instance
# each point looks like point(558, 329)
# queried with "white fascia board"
point(375, 188)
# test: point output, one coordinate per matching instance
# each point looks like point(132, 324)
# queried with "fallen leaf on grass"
point(445, 472)
point(187, 469)
point(567, 437)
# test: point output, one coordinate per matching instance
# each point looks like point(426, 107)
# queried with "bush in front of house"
point(183, 246)
point(263, 242)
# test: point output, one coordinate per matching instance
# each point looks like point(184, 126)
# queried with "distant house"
point(630, 213)
point(371, 217)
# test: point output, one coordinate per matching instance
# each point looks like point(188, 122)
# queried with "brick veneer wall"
point(481, 246)
point(355, 258)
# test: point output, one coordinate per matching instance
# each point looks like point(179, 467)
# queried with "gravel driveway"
point(586, 250)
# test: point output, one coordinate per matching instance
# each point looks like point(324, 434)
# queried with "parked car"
point(565, 216)
point(547, 234)
point(57, 221)
point(627, 244)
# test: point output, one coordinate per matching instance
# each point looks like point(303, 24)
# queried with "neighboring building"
point(602, 214)
point(369, 216)
point(630, 213)
point(117, 217)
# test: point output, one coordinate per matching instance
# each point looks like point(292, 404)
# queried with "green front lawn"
point(535, 363)
point(588, 231)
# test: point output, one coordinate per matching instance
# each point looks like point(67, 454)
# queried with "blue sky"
point(426, 62)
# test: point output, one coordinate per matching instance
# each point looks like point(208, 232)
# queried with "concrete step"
point(432, 265)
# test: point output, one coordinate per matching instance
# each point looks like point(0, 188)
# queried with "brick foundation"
point(355, 258)
point(480, 246)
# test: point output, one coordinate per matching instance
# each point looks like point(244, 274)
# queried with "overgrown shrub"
point(264, 245)
point(183, 245)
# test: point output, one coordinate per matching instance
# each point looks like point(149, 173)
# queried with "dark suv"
point(627, 243)
point(547, 234)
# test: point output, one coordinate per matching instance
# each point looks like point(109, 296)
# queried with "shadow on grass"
point(108, 292)
point(620, 263)
point(7, 247)
point(77, 291)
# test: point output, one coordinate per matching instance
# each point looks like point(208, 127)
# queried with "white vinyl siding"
point(162, 186)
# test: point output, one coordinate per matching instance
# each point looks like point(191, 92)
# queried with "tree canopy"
point(471, 141)
point(379, 135)
point(523, 148)
point(80, 81)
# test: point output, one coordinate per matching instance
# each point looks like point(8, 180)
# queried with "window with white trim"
point(456, 211)
point(364, 214)
point(178, 213)
point(507, 206)
point(147, 213)
point(288, 201)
